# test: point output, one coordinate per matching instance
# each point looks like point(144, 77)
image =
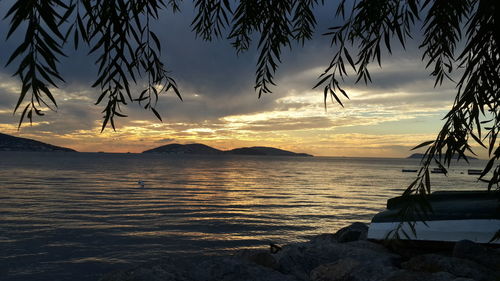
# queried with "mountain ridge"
point(202, 149)
point(193, 148)
point(12, 143)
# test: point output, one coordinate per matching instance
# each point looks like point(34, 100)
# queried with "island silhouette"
point(202, 149)
point(12, 143)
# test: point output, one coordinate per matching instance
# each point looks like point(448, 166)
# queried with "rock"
point(352, 270)
point(166, 270)
point(338, 270)
point(408, 249)
point(404, 275)
point(367, 245)
point(301, 258)
point(260, 257)
point(325, 237)
point(353, 232)
point(456, 266)
point(232, 269)
point(343, 256)
point(201, 268)
point(489, 257)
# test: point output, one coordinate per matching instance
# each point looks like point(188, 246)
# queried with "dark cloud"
point(212, 70)
point(222, 79)
point(166, 140)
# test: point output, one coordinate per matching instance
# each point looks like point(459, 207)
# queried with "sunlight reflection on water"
point(75, 216)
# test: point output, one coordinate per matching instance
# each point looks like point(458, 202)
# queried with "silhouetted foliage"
point(372, 25)
point(457, 34)
point(117, 31)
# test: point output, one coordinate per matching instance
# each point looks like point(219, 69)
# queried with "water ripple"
point(77, 216)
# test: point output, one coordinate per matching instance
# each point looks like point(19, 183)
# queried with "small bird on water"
point(141, 184)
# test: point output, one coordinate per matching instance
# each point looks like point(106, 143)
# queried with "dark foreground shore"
point(343, 256)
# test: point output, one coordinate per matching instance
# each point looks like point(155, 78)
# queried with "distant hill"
point(201, 149)
point(195, 148)
point(262, 150)
point(421, 155)
point(11, 143)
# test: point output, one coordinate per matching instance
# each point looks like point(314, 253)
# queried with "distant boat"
point(456, 215)
point(409, 170)
point(474, 172)
point(438, 171)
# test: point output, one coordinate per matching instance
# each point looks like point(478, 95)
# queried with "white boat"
point(456, 215)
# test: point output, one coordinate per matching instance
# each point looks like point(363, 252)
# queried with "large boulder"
point(352, 270)
point(456, 266)
point(260, 257)
point(234, 269)
point(324, 238)
point(489, 257)
point(405, 275)
point(372, 246)
point(301, 258)
point(353, 232)
point(201, 268)
point(165, 270)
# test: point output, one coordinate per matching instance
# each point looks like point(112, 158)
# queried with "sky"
point(220, 108)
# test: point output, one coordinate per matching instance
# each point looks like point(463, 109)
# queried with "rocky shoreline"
point(343, 256)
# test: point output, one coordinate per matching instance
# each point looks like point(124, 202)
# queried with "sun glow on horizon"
point(375, 122)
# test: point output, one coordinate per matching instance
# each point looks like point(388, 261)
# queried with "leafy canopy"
point(457, 35)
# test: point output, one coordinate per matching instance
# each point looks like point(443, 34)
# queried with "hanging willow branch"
point(117, 31)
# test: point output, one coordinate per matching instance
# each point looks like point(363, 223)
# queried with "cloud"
point(166, 140)
point(221, 108)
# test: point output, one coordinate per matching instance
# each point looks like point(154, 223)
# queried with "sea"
point(77, 216)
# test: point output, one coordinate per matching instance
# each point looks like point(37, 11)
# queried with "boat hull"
point(449, 216)
point(476, 230)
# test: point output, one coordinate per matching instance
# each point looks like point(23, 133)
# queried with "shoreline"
point(344, 255)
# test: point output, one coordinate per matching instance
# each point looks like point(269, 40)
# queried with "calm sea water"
point(76, 216)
